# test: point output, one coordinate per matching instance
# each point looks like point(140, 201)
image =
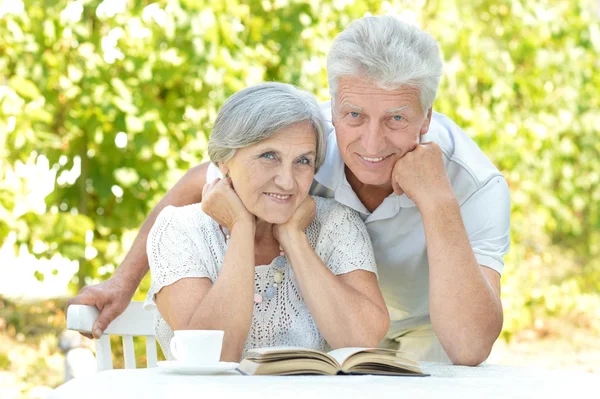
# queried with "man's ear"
point(332, 114)
point(426, 122)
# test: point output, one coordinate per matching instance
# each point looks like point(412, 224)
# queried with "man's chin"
point(372, 179)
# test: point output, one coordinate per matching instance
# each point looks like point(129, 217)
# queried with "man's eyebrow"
point(354, 107)
point(394, 110)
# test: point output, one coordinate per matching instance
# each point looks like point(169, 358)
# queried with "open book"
point(291, 361)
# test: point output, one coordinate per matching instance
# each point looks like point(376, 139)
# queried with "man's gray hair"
point(258, 112)
point(389, 52)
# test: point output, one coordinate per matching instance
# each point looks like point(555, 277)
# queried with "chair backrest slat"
point(104, 353)
point(128, 351)
point(151, 354)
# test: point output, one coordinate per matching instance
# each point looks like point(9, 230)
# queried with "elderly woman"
point(260, 258)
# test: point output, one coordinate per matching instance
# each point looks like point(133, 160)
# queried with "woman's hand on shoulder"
point(221, 202)
point(300, 220)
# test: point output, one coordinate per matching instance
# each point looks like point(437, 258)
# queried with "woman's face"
point(273, 177)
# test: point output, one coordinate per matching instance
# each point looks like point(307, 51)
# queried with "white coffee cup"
point(197, 347)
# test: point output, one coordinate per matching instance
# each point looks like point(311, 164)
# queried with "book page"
point(287, 367)
point(280, 349)
point(341, 354)
point(370, 359)
point(289, 352)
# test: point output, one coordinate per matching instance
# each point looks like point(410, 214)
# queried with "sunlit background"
point(105, 104)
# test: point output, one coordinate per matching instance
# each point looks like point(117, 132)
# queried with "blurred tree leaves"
point(114, 100)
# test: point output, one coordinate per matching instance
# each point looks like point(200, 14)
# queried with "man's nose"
point(284, 179)
point(372, 139)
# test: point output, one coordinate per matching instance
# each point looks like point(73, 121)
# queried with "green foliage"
point(4, 361)
point(116, 106)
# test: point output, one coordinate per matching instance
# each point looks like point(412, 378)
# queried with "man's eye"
point(354, 114)
point(268, 155)
point(398, 117)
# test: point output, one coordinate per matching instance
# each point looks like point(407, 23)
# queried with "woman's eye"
point(304, 161)
point(268, 155)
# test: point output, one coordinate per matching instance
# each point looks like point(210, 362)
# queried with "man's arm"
point(464, 295)
point(112, 296)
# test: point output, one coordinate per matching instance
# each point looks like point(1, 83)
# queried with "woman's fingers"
point(227, 182)
point(208, 187)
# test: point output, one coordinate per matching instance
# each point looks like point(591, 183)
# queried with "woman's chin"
point(275, 218)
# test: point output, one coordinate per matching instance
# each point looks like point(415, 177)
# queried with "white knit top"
point(185, 242)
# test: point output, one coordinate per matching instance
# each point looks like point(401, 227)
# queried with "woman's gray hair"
point(258, 112)
point(389, 52)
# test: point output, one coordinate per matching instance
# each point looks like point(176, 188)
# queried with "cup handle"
point(173, 347)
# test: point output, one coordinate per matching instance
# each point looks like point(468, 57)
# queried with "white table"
point(447, 382)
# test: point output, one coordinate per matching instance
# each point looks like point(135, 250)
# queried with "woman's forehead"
point(297, 138)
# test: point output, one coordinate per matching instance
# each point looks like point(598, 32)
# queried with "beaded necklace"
point(279, 263)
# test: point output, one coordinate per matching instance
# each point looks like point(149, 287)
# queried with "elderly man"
point(436, 209)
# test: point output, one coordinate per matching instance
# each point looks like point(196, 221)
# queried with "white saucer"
point(205, 369)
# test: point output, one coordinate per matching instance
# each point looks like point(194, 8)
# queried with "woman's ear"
point(223, 169)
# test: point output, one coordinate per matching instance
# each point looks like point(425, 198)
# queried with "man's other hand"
point(111, 297)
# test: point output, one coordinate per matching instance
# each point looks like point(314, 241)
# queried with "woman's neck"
point(264, 233)
point(266, 246)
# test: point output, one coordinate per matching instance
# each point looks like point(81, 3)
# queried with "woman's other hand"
point(221, 202)
point(302, 217)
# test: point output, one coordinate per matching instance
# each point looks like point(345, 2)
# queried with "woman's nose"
point(284, 178)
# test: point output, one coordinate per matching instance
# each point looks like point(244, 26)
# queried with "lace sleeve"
point(173, 252)
point(344, 242)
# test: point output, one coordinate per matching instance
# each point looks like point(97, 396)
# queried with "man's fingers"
point(85, 297)
point(107, 315)
point(397, 189)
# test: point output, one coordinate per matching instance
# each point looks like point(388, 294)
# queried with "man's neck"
point(370, 196)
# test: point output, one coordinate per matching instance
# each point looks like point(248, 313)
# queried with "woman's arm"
point(348, 309)
point(197, 304)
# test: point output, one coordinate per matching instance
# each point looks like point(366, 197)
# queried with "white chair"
point(133, 322)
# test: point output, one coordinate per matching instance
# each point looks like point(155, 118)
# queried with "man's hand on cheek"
point(421, 175)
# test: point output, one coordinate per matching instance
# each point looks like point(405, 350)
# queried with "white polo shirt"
point(396, 226)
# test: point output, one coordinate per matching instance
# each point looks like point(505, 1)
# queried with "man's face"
point(376, 127)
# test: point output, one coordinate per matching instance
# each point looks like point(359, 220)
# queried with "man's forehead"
point(361, 83)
